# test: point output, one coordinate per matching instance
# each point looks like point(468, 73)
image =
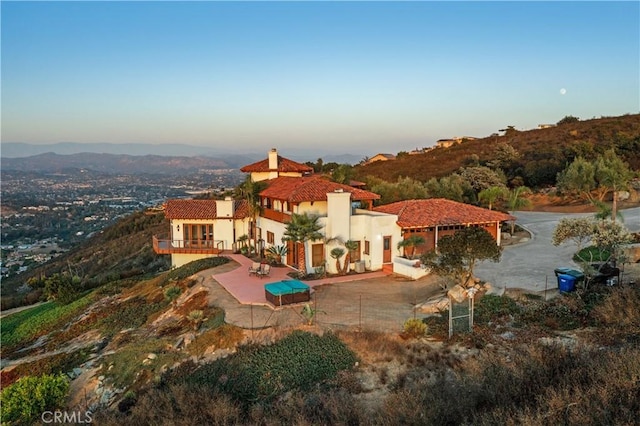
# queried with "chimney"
point(273, 159)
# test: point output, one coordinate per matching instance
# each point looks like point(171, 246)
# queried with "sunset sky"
point(334, 76)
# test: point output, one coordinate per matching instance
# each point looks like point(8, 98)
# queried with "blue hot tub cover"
point(286, 287)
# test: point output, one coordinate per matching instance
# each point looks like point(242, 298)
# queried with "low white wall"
point(409, 268)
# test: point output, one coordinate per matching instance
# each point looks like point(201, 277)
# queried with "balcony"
point(276, 215)
point(166, 246)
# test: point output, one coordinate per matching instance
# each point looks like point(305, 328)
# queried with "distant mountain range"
point(139, 158)
point(16, 150)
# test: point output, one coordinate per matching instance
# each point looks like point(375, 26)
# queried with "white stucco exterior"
point(341, 223)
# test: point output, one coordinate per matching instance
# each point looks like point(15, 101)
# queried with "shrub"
point(592, 254)
point(191, 268)
point(24, 401)
point(260, 373)
point(172, 293)
point(491, 307)
point(414, 327)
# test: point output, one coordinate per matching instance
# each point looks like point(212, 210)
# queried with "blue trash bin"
point(566, 283)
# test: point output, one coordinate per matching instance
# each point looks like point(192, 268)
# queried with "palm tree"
point(411, 242)
point(250, 191)
point(336, 254)
point(516, 201)
point(492, 194)
point(278, 252)
point(350, 245)
point(302, 228)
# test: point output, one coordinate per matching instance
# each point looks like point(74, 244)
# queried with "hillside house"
point(275, 166)
point(204, 228)
point(381, 157)
point(446, 143)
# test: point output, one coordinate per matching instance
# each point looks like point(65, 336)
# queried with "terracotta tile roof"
point(201, 209)
point(312, 188)
point(284, 165)
point(439, 211)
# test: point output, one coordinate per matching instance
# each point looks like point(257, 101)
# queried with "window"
point(366, 247)
point(270, 237)
point(355, 254)
point(317, 255)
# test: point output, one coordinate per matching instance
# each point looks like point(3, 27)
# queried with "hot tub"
point(287, 292)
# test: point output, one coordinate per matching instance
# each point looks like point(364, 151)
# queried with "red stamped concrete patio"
point(249, 289)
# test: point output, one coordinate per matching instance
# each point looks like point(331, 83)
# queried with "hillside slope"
point(120, 251)
point(543, 152)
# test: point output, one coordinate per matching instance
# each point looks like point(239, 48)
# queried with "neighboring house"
point(381, 157)
point(434, 218)
point(446, 143)
point(205, 228)
point(275, 166)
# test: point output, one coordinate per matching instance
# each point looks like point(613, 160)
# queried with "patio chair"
point(265, 270)
point(254, 269)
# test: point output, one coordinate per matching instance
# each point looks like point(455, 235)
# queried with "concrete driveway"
point(530, 265)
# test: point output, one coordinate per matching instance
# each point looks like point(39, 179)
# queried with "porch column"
point(436, 239)
point(498, 233)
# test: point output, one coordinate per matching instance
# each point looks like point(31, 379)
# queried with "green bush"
point(24, 401)
point(491, 307)
point(592, 254)
point(254, 373)
point(415, 327)
point(172, 293)
point(194, 267)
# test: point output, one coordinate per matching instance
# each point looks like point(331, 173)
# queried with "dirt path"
point(7, 312)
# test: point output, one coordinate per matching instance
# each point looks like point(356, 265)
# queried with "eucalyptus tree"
point(613, 174)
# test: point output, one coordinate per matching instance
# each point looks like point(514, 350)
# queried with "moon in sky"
point(563, 91)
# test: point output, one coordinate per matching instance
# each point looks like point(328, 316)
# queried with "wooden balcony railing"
point(278, 216)
point(166, 246)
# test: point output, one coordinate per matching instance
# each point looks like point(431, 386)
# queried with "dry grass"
point(226, 336)
point(373, 346)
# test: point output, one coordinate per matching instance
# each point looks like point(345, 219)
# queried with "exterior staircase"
point(387, 268)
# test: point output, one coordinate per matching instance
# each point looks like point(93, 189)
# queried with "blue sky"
point(339, 76)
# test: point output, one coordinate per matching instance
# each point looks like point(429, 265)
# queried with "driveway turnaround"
point(530, 265)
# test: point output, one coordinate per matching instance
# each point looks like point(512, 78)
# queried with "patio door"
point(292, 254)
point(386, 249)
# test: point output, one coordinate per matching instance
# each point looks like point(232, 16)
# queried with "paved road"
point(530, 265)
